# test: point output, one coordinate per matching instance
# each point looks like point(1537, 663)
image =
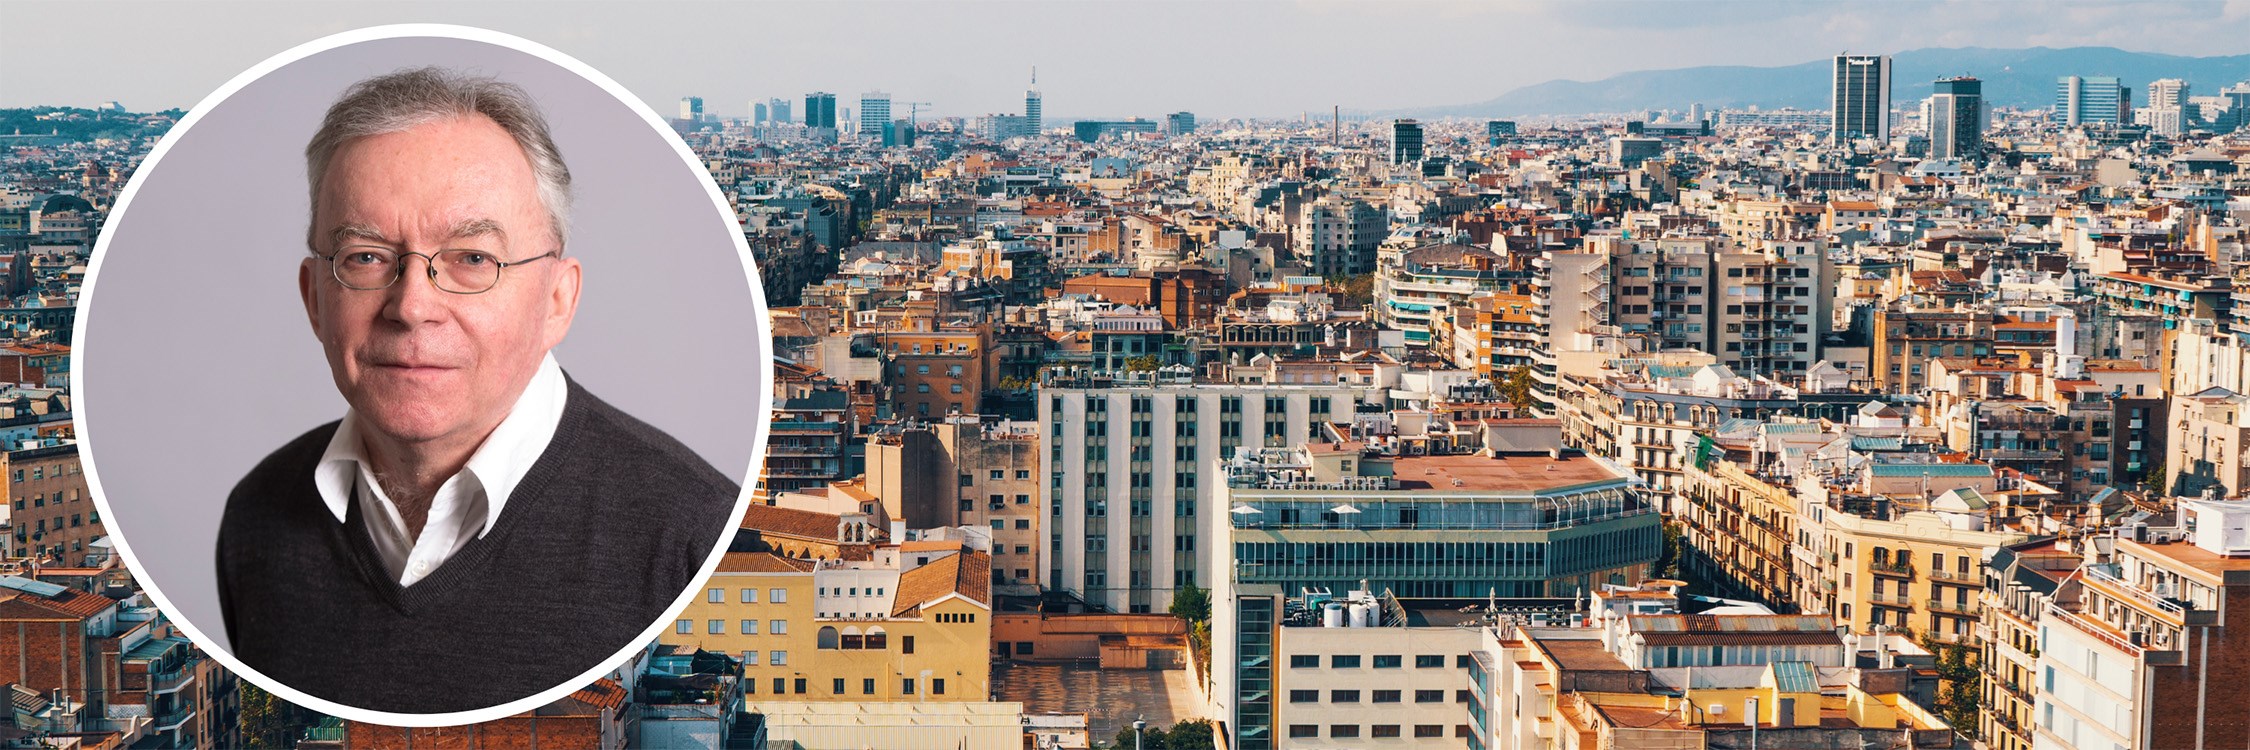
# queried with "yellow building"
point(912, 624)
point(1738, 528)
point(1923, 571)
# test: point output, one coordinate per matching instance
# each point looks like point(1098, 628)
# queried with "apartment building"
point(1129, 460)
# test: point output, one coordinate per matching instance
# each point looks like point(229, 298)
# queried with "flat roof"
point(2186, 556)
point(1507, 473)
point(1579, 654)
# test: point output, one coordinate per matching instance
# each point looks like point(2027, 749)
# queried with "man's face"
point(422, 365)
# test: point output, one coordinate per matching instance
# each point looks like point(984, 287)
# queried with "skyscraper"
point(1957, 118)
point(777, 111)
point(1406, 141)
point(874, 114)
point(2168, 93)
point(1860, 102)
point(1180, 123)
point(691, 108)
point(757, 113)
point(2092, 100)
point(820, 114)
point(1033, 103)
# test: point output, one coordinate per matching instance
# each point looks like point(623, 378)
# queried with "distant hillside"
point(2012, 77)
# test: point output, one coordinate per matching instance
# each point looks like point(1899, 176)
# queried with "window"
point(906, 686)
point(750, 659)
point(1429, 730)
point(867, 686)
point(1304, 730)
point(749, 596)
point(778, 596)
point(781, 659)
point(717, 596)
point(1343, 696)
point(1462, 661)
point(749, 627)
point(1304, 661)
point(781, 685)
point(839, 686)
point(683, 627)
point(906, 644)
point(1429, 696)
point(778, 627)
point(1384, 730)
point(1387, 661)
point(1429, 661)
point(1304, 696)
point(1342, 661)
point(1386, 696)
point(716, 627)
point(1343, 730)
point(937, 686)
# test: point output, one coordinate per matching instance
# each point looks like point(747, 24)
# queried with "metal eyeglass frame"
point(429, 263)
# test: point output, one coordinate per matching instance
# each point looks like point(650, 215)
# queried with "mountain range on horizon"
point(2012, 78)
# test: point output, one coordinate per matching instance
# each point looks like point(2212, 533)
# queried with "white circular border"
point(324, 44)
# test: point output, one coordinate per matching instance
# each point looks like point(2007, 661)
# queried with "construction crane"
point(914, 111)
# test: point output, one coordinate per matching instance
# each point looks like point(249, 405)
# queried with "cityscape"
point(1915, 419)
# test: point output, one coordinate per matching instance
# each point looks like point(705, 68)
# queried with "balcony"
point(1896, 570)
point(170, 682)
point(804, 450)
point(1967, 578)
point(169, 720)
point(1955, 608)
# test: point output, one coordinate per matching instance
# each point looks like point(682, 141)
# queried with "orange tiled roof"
point(71, 602)
point(605, 693)
point(968, 574)
point(803, 524)
point(761, 562)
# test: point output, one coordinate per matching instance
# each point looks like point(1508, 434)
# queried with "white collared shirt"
point(467, 504)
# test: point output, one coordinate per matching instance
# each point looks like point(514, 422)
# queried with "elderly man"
point(477, 528)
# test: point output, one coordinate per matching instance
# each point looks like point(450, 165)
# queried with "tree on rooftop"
point(1516, 387)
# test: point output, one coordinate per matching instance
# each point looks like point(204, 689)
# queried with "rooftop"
point(1504, 473)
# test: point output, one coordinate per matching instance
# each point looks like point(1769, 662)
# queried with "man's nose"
point(415, 298)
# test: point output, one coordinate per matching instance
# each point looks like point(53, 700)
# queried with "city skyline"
point(667, 51)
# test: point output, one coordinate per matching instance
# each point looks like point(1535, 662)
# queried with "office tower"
point(691, 108)
point(1860, 102)
point(820, 115)
point(1406, 141)
point(1956, 118)
point(2092, 100)
point(757, 113)
point(874, 113)
point(1132, 468)
point(1494, 130)
point(1695, 112)
point(1180, 123)
point(2168, 93)
point(1033, 104)
point(899, 133)
point(778, 111)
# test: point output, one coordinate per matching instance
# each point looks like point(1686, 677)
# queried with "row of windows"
point(1382, 661)
point(40, 472)
point(40, 500)
point(784, 685)
point(1349, 731)
point(749, 596)
point(1377, 696)
point(719, 627)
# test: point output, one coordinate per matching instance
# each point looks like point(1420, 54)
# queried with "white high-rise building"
point(1133, 468)
point(874, 113)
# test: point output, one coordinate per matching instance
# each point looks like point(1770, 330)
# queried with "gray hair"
point(410, 98)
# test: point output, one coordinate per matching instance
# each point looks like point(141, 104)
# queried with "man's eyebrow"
point(477, 228)
point(346, 232)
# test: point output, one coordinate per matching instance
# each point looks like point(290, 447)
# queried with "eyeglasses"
point(461, 271)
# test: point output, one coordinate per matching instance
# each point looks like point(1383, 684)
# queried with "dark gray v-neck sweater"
point(594, 545)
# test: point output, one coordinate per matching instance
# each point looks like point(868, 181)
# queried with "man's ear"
point(305, 281)
point(562, 302)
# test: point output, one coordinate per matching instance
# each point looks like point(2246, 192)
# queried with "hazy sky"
point(1095, 59)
